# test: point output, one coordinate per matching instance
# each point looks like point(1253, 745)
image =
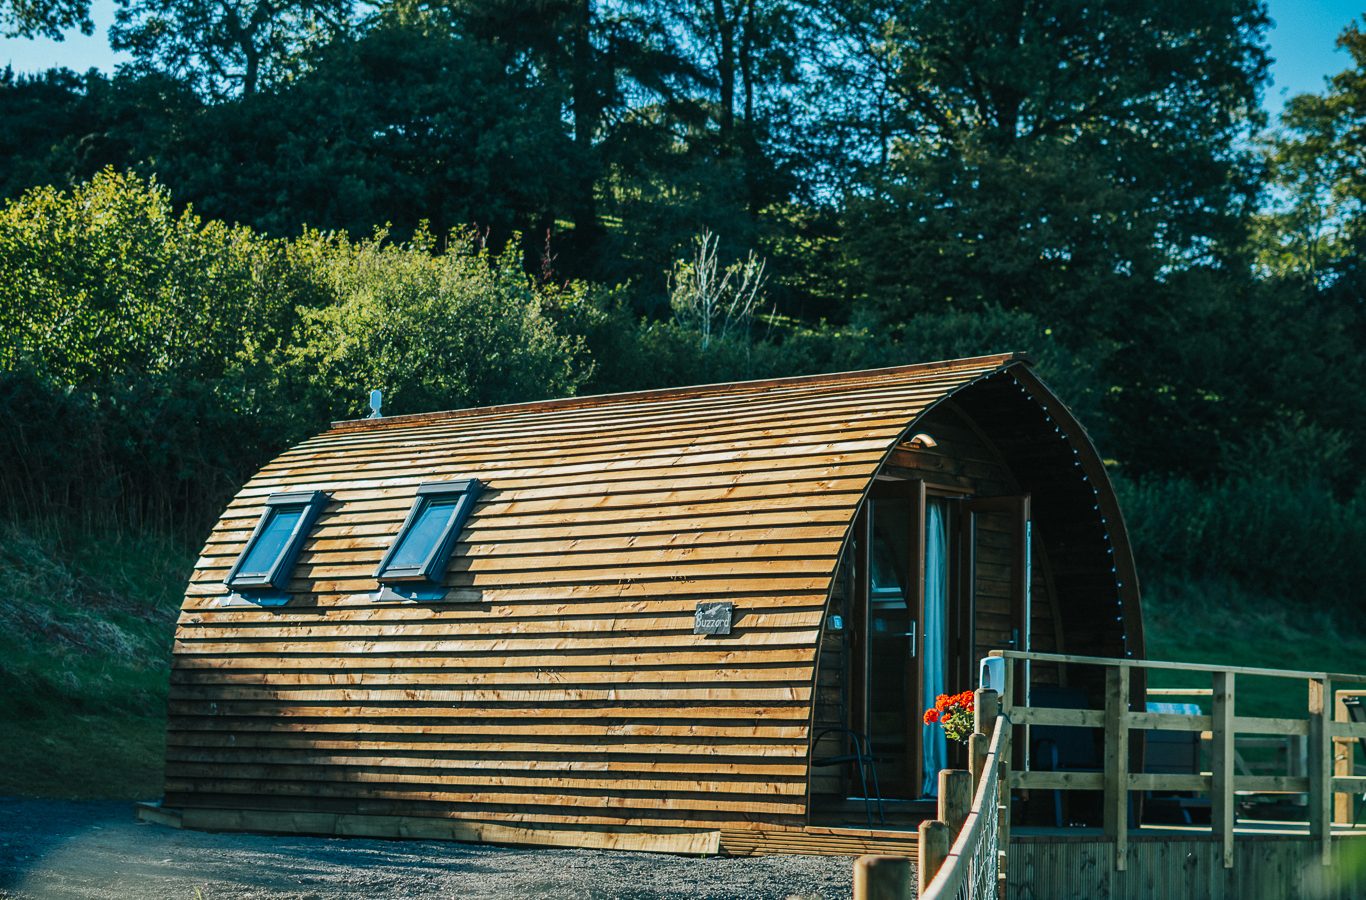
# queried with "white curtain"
point(933, 666)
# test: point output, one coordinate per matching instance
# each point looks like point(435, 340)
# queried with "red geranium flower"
point(954, 713)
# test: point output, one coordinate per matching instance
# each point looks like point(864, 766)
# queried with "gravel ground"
point(53, 848)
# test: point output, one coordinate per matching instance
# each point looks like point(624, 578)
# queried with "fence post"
point(977, 757)
point(1321, 766)
point(1117, 761)
point(1342, 764)
point(1222, 809)
point(934, 849)
point(955, 798)
point(986, 709)
point(986, 706)
point(882, 878)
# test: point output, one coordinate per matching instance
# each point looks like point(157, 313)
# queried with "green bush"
point(150, 361)
point(1268, 532)
point(140, 352)
point(463, 326)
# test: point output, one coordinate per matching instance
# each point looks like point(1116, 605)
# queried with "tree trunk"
point(587, 111)
point(725, 70)
point(749, 136)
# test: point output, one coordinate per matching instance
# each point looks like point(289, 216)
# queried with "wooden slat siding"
point(560, 687)
point(832, 677)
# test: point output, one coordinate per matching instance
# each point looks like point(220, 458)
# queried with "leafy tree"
point(109, 279)
point(226, 48)
point(404, 124)
point(140, 353)
point(1053, 156)
point(703, 144)
point(63, 128)
point(1316, 232)
point(44, 18)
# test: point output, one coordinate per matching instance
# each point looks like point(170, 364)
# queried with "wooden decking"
point(815, 840)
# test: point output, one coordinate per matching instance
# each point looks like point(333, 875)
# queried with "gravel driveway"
point(53, 848)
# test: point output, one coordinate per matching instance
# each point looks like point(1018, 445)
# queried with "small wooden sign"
point(713, 618)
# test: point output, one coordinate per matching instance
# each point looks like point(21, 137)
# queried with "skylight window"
point(423, 548)
point(268, 559)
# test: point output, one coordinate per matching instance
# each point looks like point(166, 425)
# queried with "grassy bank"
point(85, 633)
point(1215, 622)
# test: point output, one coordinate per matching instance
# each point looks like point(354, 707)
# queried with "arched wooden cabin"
point(483, 624)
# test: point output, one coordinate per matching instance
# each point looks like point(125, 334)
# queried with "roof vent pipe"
point(376, 402)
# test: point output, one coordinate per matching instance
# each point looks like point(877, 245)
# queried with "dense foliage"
point(153, 359)
point(282, 205)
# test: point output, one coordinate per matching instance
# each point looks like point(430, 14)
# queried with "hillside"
point(85, 635)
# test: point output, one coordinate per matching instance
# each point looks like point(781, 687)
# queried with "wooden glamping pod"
point(622, 621)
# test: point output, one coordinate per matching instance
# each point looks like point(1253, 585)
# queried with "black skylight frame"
point(432, 569)
point(311, 503)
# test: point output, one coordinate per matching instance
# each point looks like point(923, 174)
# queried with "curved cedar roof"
point(568, 691)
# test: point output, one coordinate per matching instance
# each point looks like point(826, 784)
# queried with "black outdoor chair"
point(1067, 748)
point(863, 764)
point(1174, 753)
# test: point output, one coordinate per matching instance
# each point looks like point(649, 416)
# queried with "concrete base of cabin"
point(688, 843)
point(1185, 868)
point(808, 841)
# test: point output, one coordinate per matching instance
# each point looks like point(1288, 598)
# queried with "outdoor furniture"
point(863, 764)
point(1174, 753)
point(1062, 748)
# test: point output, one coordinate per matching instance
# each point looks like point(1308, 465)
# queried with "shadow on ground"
point(51, 848)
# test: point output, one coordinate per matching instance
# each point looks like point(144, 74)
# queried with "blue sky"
point(1301, 43)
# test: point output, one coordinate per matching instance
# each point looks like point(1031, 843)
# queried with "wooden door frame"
point(1018, 507)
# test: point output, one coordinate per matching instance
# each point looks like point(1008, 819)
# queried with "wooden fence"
point(961, 852)
point(1328, 781)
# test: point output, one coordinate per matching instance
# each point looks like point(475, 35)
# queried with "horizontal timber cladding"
point(558, 689)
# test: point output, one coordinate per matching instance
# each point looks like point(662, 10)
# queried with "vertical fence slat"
point(1321, 766)
point(1222, 809)
point(1004, 761)
point(985, 708)
point(1117, 761)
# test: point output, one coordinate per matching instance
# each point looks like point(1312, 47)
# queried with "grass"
point(86, 622)
point(1219, 623)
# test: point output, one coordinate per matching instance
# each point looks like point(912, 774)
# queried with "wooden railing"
point(961, 852)
point(1328, 781)
point(974, 865)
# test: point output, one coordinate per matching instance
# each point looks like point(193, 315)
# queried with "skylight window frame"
point(432, 569)
point(277, 576)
